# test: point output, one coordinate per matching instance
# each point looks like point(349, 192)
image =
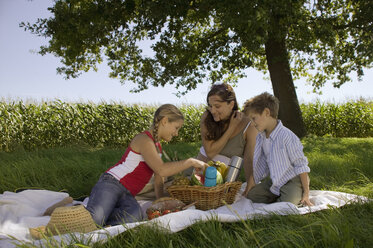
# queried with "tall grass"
point(57, 123)
point(351, 119)
point(340, 164)
point(329, 228)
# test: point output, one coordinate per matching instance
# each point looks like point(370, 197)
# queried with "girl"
point(112, 200)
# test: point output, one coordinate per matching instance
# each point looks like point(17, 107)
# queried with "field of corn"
point(57, 123)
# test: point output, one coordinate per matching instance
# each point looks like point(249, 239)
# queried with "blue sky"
point(25, 75)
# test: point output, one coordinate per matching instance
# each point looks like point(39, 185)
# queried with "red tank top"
point(132, 170)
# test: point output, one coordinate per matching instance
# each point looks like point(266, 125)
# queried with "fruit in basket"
point(220, 166)
point(181, 180)
point(197, 179)
point(219, 178)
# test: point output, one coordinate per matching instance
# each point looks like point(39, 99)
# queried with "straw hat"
point(66, 220)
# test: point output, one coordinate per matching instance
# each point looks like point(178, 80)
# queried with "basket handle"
point(189, 205)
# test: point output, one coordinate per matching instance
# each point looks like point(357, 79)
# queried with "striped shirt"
point(285, 158)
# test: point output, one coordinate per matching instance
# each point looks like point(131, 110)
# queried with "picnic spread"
point(22, 212)
point(212, 189)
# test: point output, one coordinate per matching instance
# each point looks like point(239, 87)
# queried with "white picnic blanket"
point(20, 211)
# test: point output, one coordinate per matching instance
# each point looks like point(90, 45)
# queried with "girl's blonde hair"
point(166, 110)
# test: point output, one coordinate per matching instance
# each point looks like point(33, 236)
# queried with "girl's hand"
point(198, 165)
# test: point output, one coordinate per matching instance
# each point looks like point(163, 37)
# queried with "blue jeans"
point(110, 203)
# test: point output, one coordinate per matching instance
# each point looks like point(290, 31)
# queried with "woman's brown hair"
point(216, 129)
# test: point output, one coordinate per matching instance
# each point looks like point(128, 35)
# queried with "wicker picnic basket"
point(206, 197)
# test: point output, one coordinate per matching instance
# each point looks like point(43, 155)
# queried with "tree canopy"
point(199, 40)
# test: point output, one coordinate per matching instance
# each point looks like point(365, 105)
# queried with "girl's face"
point(219, 109)
point(168, 130)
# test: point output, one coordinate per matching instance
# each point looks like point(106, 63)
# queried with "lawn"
point(339, 164)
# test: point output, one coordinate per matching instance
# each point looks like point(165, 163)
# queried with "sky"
point(28, 76)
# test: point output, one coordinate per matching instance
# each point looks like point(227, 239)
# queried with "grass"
point(329, 228)
point(340, 164)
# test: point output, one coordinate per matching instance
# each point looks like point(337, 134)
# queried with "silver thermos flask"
point(234, 169)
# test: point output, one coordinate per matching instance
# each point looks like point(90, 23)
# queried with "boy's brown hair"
point(260, 102)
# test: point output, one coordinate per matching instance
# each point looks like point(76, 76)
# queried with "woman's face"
point(169, 129)
point(219, 109)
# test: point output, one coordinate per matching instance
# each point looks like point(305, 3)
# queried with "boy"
point(278, 157)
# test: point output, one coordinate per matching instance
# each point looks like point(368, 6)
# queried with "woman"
point(226, 132)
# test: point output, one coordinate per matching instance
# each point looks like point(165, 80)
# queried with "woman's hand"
point(236, 119)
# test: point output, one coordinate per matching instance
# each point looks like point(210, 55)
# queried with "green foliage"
point(191, 41)
point(59, 124)
point(195, 40)
point(351, 119)
point(190, 131)
point(55, 124)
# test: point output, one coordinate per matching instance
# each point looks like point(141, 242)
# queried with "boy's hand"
point(304, 178)
point(306, 200)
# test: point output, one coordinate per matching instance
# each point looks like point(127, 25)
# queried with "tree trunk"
point(283, 86)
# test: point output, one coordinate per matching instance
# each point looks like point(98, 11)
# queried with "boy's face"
point(259, 120)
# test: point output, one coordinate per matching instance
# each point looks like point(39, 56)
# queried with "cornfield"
point(351, 119)
point(51, 124)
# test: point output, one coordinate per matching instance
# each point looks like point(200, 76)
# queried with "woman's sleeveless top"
point(235, 146)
